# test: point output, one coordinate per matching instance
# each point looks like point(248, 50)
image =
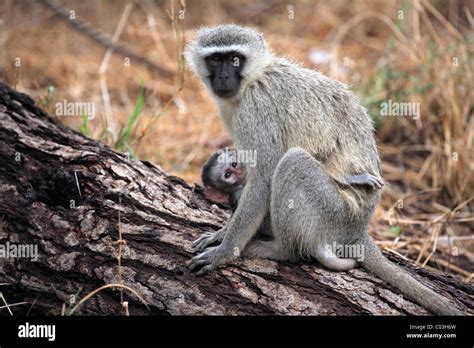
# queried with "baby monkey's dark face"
point(225, 73)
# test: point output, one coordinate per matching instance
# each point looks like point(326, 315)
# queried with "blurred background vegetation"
point(405, 51)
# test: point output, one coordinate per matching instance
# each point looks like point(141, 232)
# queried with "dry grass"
point(426, 57)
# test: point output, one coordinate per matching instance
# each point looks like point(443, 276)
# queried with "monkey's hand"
point(210, 259)
point(209, 238)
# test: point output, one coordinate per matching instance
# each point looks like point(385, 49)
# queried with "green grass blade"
point(125, 134)
point(84, 127)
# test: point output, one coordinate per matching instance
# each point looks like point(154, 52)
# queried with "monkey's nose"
point(224, 77)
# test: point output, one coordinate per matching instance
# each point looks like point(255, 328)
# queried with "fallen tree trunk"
point(64, 193)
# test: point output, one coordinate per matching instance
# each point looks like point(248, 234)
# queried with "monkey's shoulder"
point(285, 80)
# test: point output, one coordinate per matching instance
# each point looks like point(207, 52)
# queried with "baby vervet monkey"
point(224, 178)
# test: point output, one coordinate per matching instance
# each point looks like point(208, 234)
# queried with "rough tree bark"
point(77, 229)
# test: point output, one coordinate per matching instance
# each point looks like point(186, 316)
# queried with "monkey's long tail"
point(377, 264)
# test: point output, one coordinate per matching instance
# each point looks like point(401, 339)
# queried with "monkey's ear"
point(216, 195)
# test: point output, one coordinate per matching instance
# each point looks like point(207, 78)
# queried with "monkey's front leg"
point(241, 228)
point(209, 260)
point(209, 238)
point(213, 256)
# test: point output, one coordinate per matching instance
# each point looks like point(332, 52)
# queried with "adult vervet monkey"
point(309, 133)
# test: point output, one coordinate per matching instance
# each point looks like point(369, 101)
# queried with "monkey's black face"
point(225, 72)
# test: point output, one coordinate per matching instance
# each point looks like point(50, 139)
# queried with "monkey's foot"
point(209, 238)
point(210, 259)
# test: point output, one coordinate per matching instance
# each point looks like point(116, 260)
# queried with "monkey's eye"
point(234, 164)
point(227, 175)
point(216, 59)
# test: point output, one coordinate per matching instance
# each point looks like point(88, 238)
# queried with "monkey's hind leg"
point(331, 261)
point(274, 250)
point(308, 213)
point(266, 249)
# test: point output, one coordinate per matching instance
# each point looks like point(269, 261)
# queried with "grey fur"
point(213, 176)
point(310, 132)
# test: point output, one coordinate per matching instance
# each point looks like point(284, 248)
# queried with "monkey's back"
point(337, 130)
